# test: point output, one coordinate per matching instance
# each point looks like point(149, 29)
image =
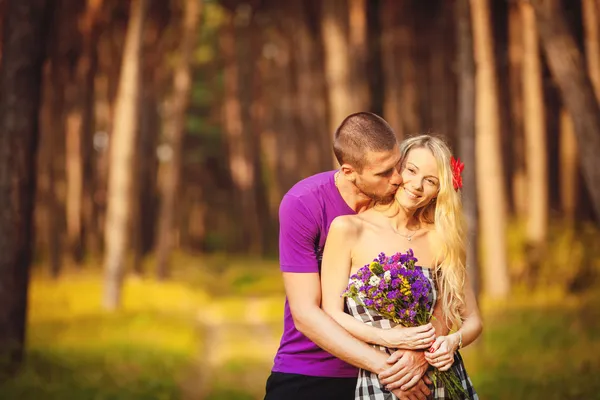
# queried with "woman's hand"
point(414, 338)
point(441, 353)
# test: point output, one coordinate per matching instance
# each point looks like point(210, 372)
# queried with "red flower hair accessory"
point(457, 169)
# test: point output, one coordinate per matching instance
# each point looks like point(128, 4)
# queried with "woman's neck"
point(404, 219)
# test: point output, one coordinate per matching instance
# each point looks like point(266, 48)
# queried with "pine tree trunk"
point(238, 75)
point(334, 23)
point(175, 129)
point(121, 159)
point(389, 47)
point(20, 84)
point(466, 131)
point(408, 58)
point(357, 13)
point(49, 128)
point(569, 167)
point(535, 142)
point(515, 60)
point(490, 183)
point(79, 125)
point(568, 69)
point(591, 23)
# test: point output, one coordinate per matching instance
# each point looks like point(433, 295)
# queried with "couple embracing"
point(387, 197)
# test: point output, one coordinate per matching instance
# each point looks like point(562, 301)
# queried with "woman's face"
point(420, 181)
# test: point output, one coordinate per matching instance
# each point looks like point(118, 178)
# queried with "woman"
point(426, 217)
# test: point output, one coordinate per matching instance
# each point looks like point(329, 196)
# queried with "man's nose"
point(396, 178)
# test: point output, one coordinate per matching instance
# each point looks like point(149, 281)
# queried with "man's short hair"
point(359, 134)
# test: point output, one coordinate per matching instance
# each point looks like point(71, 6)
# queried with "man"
point(317, 358)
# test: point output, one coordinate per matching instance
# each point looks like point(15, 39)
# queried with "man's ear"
point(348, 172)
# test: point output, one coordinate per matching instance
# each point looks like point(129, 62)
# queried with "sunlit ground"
point(212, 332)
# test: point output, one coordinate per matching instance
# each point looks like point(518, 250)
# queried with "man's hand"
point(407, 369)
point(419, 392)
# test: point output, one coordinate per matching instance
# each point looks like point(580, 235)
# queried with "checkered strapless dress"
point(368, 386)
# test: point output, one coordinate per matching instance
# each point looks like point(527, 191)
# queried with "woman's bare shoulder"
point(345, 224)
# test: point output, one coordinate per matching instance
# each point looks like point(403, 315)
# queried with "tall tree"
point(490, 183)
point(591, 24)
point(334, 22)
point(50, 129)
point(175, 129)
point(121, 158)
point(392, 104)
point(569, 166)
point(535, 139)
point(515, 73)
point(357, 46)
point(236, 45)
point(568, 70)
point(466, 130)
point(80, 35)
point(20, 83)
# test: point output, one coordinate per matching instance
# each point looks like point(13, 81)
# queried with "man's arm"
point(298, 232)
point(304, 297)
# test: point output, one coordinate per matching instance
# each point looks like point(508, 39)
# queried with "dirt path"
point(239, 337)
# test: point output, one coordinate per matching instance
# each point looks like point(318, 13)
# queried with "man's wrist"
point(379, 363)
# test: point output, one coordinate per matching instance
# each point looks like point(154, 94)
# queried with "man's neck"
point(355, 199)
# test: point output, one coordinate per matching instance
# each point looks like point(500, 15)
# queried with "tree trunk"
point(49, 128)
point(591, 20)
point(490, 183)
point(79, 125)
point(374, 65)
point(515, 72)
point(235, 44)
point(121, 159)
point(175, 129)
point(535, 142)
point(20, 82)
point(389, 47)
point(466, 130)
point(569, 167)
point(357, 13)
point(334, 22)
point(567, 68)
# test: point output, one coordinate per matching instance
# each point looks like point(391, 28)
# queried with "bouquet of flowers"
point(398, 291)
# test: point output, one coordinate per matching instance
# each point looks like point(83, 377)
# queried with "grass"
point(212, 331)
point(545, 348)
point(78, 351)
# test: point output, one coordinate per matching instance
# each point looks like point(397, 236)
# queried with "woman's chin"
point(408, 204)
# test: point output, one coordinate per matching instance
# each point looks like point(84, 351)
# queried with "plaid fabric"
point(368, 386)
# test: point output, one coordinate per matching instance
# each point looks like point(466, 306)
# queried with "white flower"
point(387, 276)
point(374, 280)
point(361, 296)
point(358, 283)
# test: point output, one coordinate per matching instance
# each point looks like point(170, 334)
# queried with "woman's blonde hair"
point(446, 214)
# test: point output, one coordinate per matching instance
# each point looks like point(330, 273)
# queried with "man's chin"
point(386, 200)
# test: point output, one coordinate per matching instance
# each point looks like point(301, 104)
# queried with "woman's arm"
point(335, 273)
point(441, 354)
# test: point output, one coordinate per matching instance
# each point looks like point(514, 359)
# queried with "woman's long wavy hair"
point(446, 214)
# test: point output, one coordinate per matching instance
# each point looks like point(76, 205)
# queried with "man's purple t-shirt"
point(305, 214)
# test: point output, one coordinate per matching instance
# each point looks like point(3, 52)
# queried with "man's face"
point(380, 177)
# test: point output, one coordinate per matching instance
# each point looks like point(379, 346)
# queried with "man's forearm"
point(331, 337)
